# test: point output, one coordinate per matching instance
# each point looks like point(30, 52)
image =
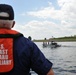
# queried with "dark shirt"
point(27, 55)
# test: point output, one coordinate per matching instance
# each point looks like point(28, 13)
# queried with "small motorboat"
point(54, 44)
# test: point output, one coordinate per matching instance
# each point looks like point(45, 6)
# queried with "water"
point(63, 58)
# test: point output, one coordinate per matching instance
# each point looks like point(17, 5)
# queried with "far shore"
point(55, 41)
point(63, 39)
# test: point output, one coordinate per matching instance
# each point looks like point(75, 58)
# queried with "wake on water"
point(67, 46)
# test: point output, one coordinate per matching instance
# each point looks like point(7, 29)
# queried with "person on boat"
point(44, 44)
point(29, 37)
point(17, 53)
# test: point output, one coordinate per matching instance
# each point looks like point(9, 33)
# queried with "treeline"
point(60, 39)
point(68, 38)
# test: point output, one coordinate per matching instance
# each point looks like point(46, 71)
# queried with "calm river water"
point(63, 58)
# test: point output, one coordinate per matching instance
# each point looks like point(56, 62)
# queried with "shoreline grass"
point(62, 39)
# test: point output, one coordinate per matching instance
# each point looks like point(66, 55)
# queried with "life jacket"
point(6, 49)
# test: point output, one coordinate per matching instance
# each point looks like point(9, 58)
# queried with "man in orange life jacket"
point(17, 53)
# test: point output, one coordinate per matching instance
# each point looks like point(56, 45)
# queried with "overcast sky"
point(44, 18)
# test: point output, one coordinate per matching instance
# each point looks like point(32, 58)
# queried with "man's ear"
point(13, 24)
